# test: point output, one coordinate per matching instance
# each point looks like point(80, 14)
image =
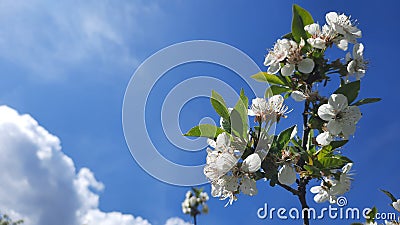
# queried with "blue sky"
point(68, 63)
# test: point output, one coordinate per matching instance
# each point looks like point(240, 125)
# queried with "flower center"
point(339, 116)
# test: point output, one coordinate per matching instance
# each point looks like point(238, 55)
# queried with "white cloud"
point(176, 221)
point(54, 37)
point(39, 183)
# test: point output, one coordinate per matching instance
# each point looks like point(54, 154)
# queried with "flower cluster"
point(286, 56)
point(229, 172)
point(227, 176)
point(268, 110)
point(194, 199)
point(341, 119)
point(330, 187)
point(339, 30)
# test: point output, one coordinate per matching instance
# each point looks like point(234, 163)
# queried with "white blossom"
point(273, 108)
point(288, 52)
point(192, 201)
point(317, 39)
point(343, 184)
point(277, 55)
point(248, 186)
point(252, 163)
point(185, 209)
point(322, 194)
point(396, 205)
point(204, 196)
point(341, 117)
point(298, 96)
point(321, 39)
point(276, 106)
point(356, 64)
point(259, 107)
point(343, 25)
point(337, 187)
point(287, 174)
point(224, 188)
point(220, 160)
point(324, 138)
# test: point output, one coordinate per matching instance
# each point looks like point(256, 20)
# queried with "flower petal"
point(248, 186)
point(287, 69)
point(306, 65)
point(396, 205)
point(223, 140)
point(331, 18)
point(352, 114)
point(252, 163)
point(348, 129)
point(298, 96)
point(274, 68)
point(269, 59)
point(211, 143)
point(358, 51)
point(225, 162)
point(343, 44)
point(326, 112)
point(351, 67)
point(334, 127)
point(313, 29)
point(251, 112)
point(321, 197)
point(231, 183)
point(324, 138)
point(316, 189)
point(287, 175)
point(338, 102)
point(346, 168)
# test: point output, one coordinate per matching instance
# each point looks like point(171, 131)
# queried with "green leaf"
point(331, 163)
point(239, 123)
point(324, 152)
point(371, 215)
point(334, 162)
point(350, 90)
point(288, 36)
point(366, 101)
point(338, 144)
point(266, 77)
point(276, 90)
point(226, 125)
point(313, 170)
point(389, 195)
point(204, 130)
point(284, 137)
point(219, 105)
point(244, 99)
point(301, 18)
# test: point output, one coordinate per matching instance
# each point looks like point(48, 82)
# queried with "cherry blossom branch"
point(301, 188)
point(288, 188)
